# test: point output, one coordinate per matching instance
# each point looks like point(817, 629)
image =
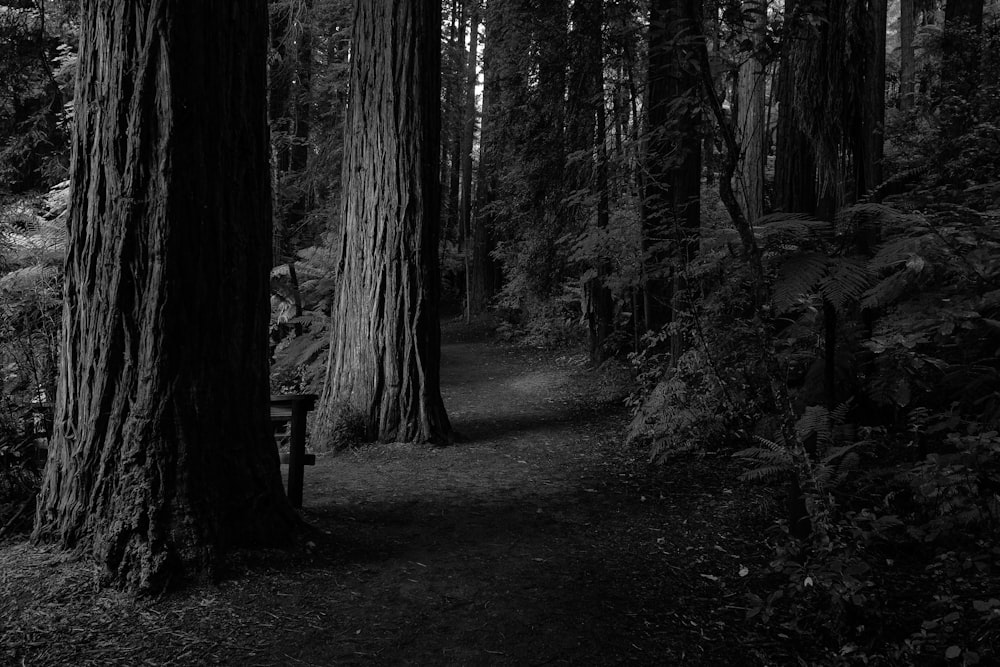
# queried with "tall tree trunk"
point(671, 208)
point(544, 153)
point(794, 158)
point(469, 122)
point(868, 161)
point(161, 453)
point(587, 129)
point(484, 273)
point(907, 63)
point(384, 365)
point(299, 158)
point(453, 134)
point(750, 114)
point(280, 70)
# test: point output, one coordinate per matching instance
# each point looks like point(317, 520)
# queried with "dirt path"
point(535, 541)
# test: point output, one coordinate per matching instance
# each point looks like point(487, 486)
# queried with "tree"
point(385, 341)
point(794, 159)
point(838, 94)
point(671, 203)
point(588, 171)
point(161, 454)
point(963, 25)
point(469, 123)
point(869, 153)
point(505, 51)
point(468, 136)
point(290, 113)
point(751, 82)
point(907, 63)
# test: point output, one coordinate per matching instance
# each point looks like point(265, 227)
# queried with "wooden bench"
point(288, 409)
point(292, 409)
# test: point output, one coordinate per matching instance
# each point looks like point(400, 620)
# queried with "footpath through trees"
point(538, 539)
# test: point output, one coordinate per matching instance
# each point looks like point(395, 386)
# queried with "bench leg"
point(296, 456)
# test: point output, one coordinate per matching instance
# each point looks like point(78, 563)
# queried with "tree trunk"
point(587, 129)
point(161, 453)
point(868, 161)
point(794, 159)
point(453, 132)
point(280, 71)
point(484, 272)
point(671, 207)
point(384, 365)
point(469, 123)
point(299, 158)
point(750, 115)
point(907, 63)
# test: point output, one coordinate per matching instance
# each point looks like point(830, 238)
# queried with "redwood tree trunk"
point(469, 124)
point(161, 453)
point(794, 158)
point(869, 159)
point(484, 271)
point(385, 342)
point(671, 207)
point(750, 115)
point(586, 134)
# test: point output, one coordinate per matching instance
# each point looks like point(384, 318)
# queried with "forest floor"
point(539, 539)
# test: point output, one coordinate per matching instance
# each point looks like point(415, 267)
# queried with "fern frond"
point(765, 474)
point(880, 212)
point(888, 290)
point(774, 445)
point(838, 416)
point(790, 226)
point(799, 275)
point(836, 466)
point(764, 455)
point(846, 281)
point(815, 421)
point(899, 251)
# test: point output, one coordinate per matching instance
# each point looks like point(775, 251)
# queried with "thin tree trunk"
point(868, 163)
point(484, 273)
point(907, 63)
point(384, 366)
point(161, 453)
point(454, 135)
point(469, 122)
point(750, 116)
point(279, 115)
point(299, 152)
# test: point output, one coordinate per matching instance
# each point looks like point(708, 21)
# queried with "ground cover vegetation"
point(784, 218)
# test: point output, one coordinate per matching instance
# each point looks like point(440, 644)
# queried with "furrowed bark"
point(161, 454)
point(385, 343)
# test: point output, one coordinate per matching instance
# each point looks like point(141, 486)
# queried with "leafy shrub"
point(350, 428)
point(685, 411)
